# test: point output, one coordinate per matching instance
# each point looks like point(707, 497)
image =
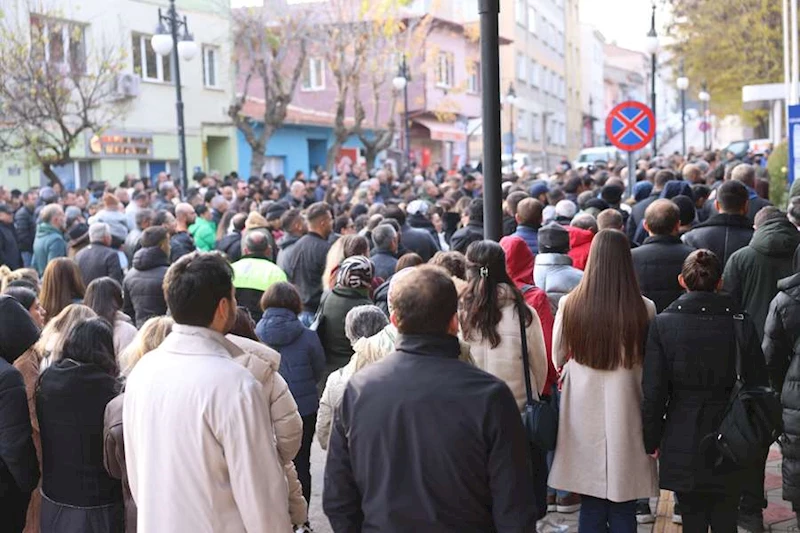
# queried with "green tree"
point(729, 44)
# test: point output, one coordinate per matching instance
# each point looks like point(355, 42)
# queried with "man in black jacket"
point(473, 231)
point(440, 469)
point(143, 294)
point(19, 467)
point(294, 227)
point(182, 242)
point(730, 229)
point(658, 261)
point(9, 247)
point(746, 175)
point(231, 244)
point(414, 240)
point(98, 259)
point(383, 256)
point(25, 224)
point(307, 262)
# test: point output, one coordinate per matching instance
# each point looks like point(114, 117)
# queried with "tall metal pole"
point(683, 121)
point(173, 27)
point(787, 54)
point(653, 34)
point(511, 112)
point(406, 122)
point(490, 77)
point(795, 54)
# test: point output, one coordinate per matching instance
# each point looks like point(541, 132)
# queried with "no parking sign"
point(630, 127)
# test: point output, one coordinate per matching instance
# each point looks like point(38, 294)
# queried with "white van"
point(590, 156)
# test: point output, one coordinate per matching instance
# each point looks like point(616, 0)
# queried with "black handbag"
point(753, 419)
point(539, 418)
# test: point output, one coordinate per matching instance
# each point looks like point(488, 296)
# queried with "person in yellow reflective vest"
point(255, 271)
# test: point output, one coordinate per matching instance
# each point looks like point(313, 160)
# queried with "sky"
point(624, 21)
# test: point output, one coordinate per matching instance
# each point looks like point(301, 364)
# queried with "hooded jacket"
point(48, 245)
point(519, 264)
point(285, 246)
point(752, 274)
point(782, 353)
point(723, 234)
point(180, 244)
point(19, 467)
point(419, 241)
point(204, 233)
point(555, 275)
point(142, 289)
point(580, 242)
point(302, 360)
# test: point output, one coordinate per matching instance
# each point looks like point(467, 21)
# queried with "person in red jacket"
point(581, 232)
point(519, 264)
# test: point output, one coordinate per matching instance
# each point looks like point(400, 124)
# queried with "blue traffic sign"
point(630, 126)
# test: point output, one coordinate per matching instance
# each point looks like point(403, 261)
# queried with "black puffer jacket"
point(231, 245)
point(470, 233)
point(657, 263)
point(19, 467)
point(25, 224)
point(689, 371)
point(142, 290)
point(782, 351)
point(723, 234)
point(180, 244)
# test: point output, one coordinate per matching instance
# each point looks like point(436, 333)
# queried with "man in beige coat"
point(199, 440)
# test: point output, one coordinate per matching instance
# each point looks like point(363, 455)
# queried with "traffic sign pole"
point(631, 175)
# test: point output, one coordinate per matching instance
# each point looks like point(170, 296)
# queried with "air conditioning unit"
point(128, 85)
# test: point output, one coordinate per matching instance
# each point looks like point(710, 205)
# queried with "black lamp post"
point(489, 11)
point(511, 98)
point(652, 49)
point(400, 83)
point(705, 97)
point(166, 41)
point(683, 83)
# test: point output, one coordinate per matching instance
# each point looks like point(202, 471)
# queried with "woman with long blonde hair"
point(150, 337)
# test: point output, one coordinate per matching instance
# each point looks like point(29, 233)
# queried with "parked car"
point(590, 156)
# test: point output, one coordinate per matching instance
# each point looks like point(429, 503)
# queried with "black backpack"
point(753, 419)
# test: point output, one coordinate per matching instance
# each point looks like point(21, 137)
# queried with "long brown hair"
point(61, 285)
point(481, 303)
point(605, 319)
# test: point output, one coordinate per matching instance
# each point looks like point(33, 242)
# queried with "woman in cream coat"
point(598, 339)
point(490, 313)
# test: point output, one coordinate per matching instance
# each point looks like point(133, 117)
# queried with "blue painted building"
point(292, 148)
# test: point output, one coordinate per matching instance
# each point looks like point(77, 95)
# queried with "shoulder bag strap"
point(738, 322)
point(525, 362)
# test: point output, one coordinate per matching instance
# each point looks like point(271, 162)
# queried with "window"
point(535, 127)
point(147, 63)
point(314, 74)
point(522, 125)
point(59, 42)
point(532, 73)
point(531, 19)
point(545, 80)
point(520, 12)
point(445, 75)
point(474, 80)
point(522, 63)
point(210, 66)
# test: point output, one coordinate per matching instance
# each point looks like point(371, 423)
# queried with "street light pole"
point(166, 41)
point(400, 83)
point(490, 76)
point(683, 84)
point(511, 98)
point(652, 45)
point(705, 97)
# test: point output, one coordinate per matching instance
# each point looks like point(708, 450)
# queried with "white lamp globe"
point(162, 43)
point(399, 83)
point(682, 83)
point(704, 96)
point(511, 99)
point(187, 49)
point(651, 44)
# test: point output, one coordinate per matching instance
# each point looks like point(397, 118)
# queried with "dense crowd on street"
point(170, 354)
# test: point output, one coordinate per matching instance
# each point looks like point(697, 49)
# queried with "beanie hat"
point(553, 238)
point(18, 332)
point(642, 190)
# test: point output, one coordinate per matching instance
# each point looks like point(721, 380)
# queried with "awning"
point(443, 131)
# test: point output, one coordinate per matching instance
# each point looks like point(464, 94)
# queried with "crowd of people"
point(168, 358)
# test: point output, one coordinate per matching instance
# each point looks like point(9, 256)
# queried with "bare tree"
point(272, 48)
point(52, 93)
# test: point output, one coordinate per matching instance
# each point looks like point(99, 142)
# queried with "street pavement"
point(778, 516)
